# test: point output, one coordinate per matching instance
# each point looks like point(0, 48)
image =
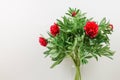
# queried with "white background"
point(22, 22)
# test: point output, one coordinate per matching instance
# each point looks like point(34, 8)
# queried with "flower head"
point(74, 14)
point(42, 41)
point(91, 29)
point(54, 29)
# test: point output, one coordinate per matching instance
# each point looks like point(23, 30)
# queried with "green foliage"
point(74, 43)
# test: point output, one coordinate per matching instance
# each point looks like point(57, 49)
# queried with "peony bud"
point(73, 14)
point(42, 41)
point(111, 26)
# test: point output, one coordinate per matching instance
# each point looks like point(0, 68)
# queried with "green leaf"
point(103, 21)
point(46, 53)
point(54, 55)
point(88, 57)
point(84, 61)
point(52, 51)
point(95, 56)
point(68, 14)
point(56, 63)
point(77, 11)
point(60, 23)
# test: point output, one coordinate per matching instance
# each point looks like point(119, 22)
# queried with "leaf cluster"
point(74, 43)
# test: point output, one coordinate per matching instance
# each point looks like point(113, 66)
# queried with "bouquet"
point(79, 38)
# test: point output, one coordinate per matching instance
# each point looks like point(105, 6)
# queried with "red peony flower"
point(91, 29)
point(73, 14)
point(111, 26)
point(54, 29)
point(42, 41)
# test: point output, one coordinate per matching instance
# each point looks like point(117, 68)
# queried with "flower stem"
point(78, 73)
point(77, 67)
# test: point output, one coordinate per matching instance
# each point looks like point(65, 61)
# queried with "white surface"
point(21, 56)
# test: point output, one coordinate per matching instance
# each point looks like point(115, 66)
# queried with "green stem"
point(77, 67)
point(78, 73)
